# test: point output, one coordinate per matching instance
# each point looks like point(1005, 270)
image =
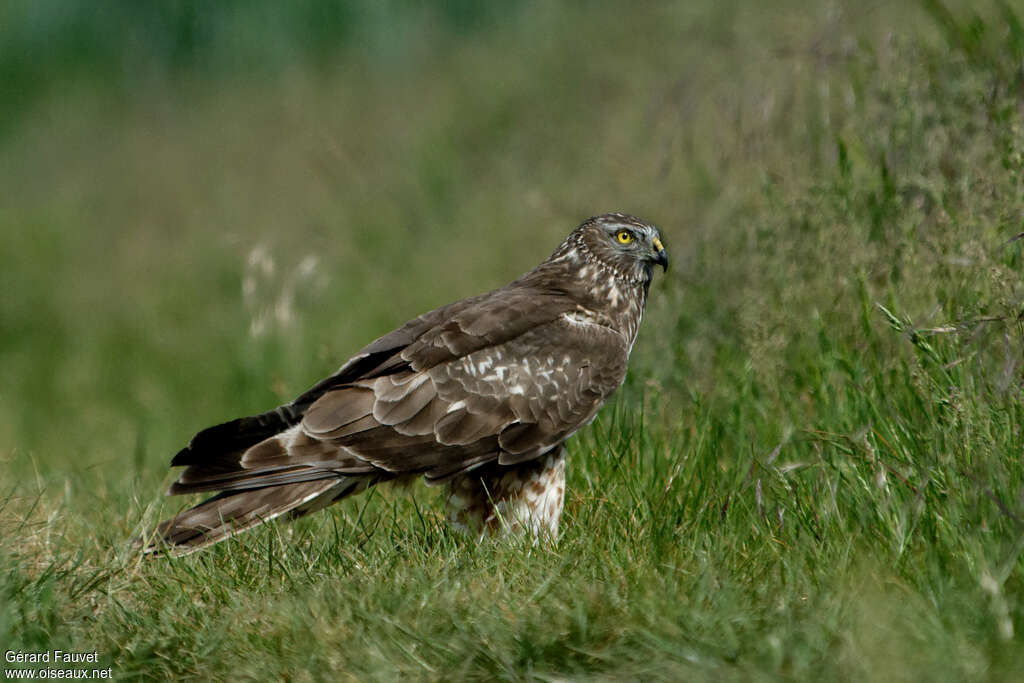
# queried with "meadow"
point(813, 471)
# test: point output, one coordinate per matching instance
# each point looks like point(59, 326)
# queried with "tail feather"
point(233, 512)
point(247, 481)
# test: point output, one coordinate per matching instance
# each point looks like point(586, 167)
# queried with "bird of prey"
point(479, 395)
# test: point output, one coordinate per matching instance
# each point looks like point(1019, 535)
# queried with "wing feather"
point(338, 408)
point(398, 402)
point(424, 421)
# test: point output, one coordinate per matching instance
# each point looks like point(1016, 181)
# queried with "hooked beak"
point(660, 255)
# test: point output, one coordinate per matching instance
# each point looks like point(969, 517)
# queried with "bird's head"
point(625, 243)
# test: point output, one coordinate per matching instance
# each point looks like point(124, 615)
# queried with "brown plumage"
point(479, 395)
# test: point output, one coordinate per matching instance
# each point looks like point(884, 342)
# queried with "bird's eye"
point(624, 236)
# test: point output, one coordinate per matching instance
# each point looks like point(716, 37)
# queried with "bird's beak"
point(660, 255)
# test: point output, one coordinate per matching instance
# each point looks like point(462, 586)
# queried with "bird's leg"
point(497, 500)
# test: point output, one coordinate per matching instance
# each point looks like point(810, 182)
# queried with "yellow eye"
point(624, 236)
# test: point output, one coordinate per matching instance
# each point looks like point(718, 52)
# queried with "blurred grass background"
point(813, 471)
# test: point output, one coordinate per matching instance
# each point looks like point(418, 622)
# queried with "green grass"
point(813, 471)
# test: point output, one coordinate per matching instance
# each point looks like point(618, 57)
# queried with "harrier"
point(479, 395)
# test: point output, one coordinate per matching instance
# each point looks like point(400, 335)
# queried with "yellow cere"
point(624, 236)
point(658, 246)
